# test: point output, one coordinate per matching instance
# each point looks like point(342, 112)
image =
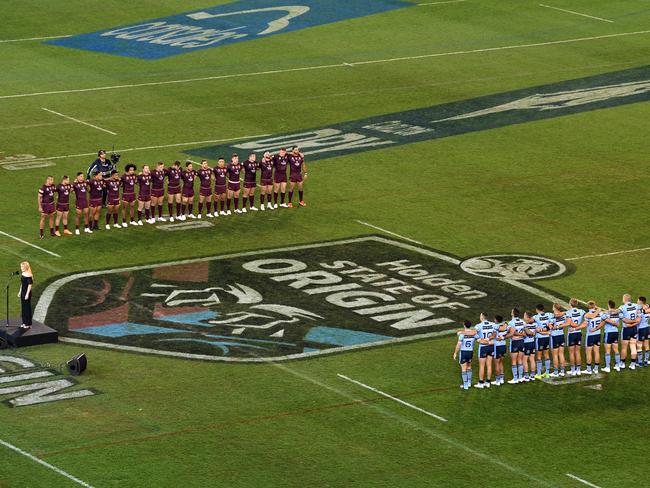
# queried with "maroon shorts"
point(157, 192)
point(280, 178)
point(81, 204)
point(113, 201)
point(296, 178)
point(171, 190)
point(220, 189)
point(188, 193)
point(266, 182)
point(48, 208)
point(233, 186)
point(250, 184)
point(63, 207)
point(95, 202)
point(205, 192)
point(128, 197)
point(144, 198)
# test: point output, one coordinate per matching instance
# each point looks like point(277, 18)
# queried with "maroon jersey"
point(220, 175)
point(205, 177)
point(47, 194)
point(158, 179)
point(250, 171)
point(63, 194)
point(144, 186)
point(81, 193)
point(188, 182)
point(113, 190)
point(233, 171)
point(280, 163)
point(96, 190)
point(266, 168)
point(128, 183)
point(295, 164)
point(173, 177)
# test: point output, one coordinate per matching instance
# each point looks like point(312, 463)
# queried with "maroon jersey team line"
point(219, 191)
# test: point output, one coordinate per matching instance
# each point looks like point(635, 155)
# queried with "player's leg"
point(646, 347)
point(547, 359)
point(538, 361)
point(596, 354)
point(235, 201)
point(283, 193)
point(41, 225)
point(617, 355)
point(109, 215)
point(140, 207)
point(65, 222)
point(292, 185)
point(276, 192)
point(148, 212)
point(633, 352)
point(481, 367)
point(208, 205)
point(489, 366)
point(301, 194)
point(57, 223)
point(251, 199)
point(76, 220)
point(201, 202)
point(86, 214)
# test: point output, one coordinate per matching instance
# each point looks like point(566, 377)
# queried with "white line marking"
point(145, 148)
point(325, 66)
point(185, 225)
point(570, 380)
point(395, 399)
point(44, 463)
point(78, 121)
point(387, 231)
point(33, 38)
point(30, 244)
point(439, 3)
point(576, 13)
point(582, 481)
point(608, 254)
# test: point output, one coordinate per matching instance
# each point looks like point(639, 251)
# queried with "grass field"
point(570, 187)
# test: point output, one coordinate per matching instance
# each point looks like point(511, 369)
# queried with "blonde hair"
point(28, 268)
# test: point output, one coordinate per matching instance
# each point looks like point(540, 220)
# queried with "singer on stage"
point(25, 294)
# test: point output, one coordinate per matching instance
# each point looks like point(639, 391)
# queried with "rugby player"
point(250, 182)
point(113, 199)
point(63, 191)
point(46, 205)
point(266, 181)
point(558, 325)
point(80, 188)
point(96, 193)
point(575, 318)
point(188, 176)
point(631, 316)
point(205, 189)
point(158, 191)
point(530, 330)
point(612, 323)
point(594, 323)
point(465, 345)
point(280, 162)
point(144, 196)
point(643, 330)
point(128, 194)
point(297, 172)
point(233, 171)
point(516, 333)
point(174, 190)
point(543, 322)
point(501, 329)
point(486, 332)
point(220, 186)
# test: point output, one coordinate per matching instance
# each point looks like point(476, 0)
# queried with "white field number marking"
point(23, 161)
point(199, 224)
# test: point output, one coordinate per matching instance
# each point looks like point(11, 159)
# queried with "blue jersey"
point(485, 330)
point(593, 322)
point(466, 341)
point(532, 327)
point(614, 316)
point(500, 339)
point(518, 326)
point(543, 321)
point(576, 315)
point(645, 314)
point(630, 311)
point(559, 321)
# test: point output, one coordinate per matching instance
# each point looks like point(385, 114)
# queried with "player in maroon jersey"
point(144, 195)
point(266, 181)
point(188, 176)
point(158, 191)
point(96, 187)
point(80, 187)
point(250, 182)
point(174, 190)
point(113, 185)
point(46, 205)
point(63, 191)
point(205, 188)
point(128, 194)
point(220, 186)
point(297, 173)
point(280, 162)
point(233, 170)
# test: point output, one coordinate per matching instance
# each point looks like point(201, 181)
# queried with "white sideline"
point(439, 3)
point(78, 121)
point(30, 244)
point(407, 404)
point(614, 253)
point(34, 38)
point(44, 463)
point(582, 481)
point(387, 231)
point(325, 66)
point(576, 13)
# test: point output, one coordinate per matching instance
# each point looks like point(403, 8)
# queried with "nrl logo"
point(291, 302)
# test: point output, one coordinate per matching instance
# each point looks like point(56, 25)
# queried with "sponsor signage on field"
point(488, 112)
point(239, 21)
point(292, 302)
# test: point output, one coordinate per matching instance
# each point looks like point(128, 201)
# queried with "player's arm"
point(39, 199)
point(304, 169)
point(457, 349)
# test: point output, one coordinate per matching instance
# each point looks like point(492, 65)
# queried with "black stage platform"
point(38, 334)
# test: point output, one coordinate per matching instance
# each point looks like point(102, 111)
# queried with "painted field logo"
point(287, 303)
point(239, 21)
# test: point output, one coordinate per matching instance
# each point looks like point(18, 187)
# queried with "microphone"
point(15, 273)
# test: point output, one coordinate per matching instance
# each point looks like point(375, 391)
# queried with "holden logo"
point(513, 267)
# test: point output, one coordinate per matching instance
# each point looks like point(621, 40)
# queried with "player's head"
point(641, 301)
point(101, 154)
point(627, 298)
point(204, 163)
point(611, 304)
point(267, 155)
point(129, 168)
point(188, 165)
point(160, 165)
point(573, 302)
point(557, 308)
point(484, 316)
point(467, 324)
point(283, 151)
point(97, 175)
point(65, 180)
point(498, 319)
point(528, 316)
point(115, 175)
point(539, 307)
point(145, 169)
point(514, 312)
point(591, 304)
point(221, 162)
point(235, 159)
point(80, 176)
point(49, 180)
point(252, 157)
point(295, 150)
point(177, 164)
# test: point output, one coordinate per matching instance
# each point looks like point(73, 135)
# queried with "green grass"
point(563, 187)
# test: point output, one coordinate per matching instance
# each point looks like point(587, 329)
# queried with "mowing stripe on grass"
point(30, 244)
point(387, 231)
point(78, 121)
point(395, 399)
point(614, 253)
point(34, 38)
point(439, 3)
point(325, 66)
point(44, 463)
point(585, 482)
point(576, 13)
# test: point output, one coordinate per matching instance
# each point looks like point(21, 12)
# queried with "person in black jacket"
point(25, 294)
point(104, 166)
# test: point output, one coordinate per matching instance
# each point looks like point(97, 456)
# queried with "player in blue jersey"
point(575, 317)
point(516, 334)
point(612, 322)
point(543, 321)
point(530, 329)
point(465, 346)
point(486, 333)
point(594, 323)
point(560, 322)
point(643, 331)
point(499, 349)
point(631, 316)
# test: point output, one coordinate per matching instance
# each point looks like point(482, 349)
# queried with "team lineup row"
point(219, 185)
point(537, 337)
